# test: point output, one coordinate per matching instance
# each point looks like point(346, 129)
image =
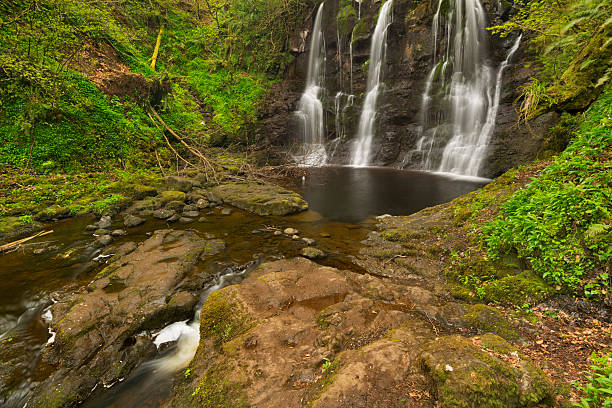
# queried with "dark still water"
point(349, 194)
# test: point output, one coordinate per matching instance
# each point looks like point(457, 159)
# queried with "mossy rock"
point(171, 195)
point(223, 318)
point(517, 289)
point(140, 191)
point(346, 20)
point(465, 376)
point(215, 390)
point(14, 227)
point(261, 199)
point(488, 319)
point(51, 213)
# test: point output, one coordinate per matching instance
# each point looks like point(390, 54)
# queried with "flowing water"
point(462, 93)
point(367, 122)
point(310, 106)
point(343, 203)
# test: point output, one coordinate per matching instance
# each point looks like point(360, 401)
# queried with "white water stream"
point(361, 153)
point(462, 93)
point(187, 334)
point(310, 106)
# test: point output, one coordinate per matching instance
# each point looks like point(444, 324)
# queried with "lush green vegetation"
point(571, 39)
point(70, 99)
point(562, 222)
point(598, 390)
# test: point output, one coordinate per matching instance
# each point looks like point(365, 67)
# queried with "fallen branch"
point(168, 143)
point(16, 244)
point(193, 150)
point(157, 44)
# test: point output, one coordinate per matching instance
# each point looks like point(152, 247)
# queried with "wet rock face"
point(410, 45)
point(297, 334)
point(97, 328)
point(259, 199)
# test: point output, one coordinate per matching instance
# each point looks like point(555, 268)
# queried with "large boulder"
point(297, 334)
point(97, 328)
point(261, 199)
point(493, 375)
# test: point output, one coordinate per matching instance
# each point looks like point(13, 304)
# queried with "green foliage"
point(220, 55)
point(598, 391)
point(561, 223)
point(561, 32)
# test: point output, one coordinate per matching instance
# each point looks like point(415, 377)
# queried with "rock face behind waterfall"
point(409, 57)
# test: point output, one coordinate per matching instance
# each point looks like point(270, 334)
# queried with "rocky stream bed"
point(372, 320)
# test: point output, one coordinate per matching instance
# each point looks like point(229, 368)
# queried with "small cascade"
point(310, 107)
point(461, 96)
point(365, 134)
point(187, 334)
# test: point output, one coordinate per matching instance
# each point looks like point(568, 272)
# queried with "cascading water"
point(365, 134)
point(310, 107)
point(461, 95)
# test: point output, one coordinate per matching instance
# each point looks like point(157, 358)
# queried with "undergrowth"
point(561, 223)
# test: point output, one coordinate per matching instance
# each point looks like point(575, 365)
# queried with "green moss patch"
point(222, 318)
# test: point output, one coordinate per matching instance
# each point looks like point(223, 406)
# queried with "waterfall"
point(461, 96)
point(365, 133)
point(310, 106)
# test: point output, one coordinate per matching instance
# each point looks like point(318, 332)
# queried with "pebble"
point(277, 232)
point(309, 241)
point(163, 213)
point(174, 218)
point(91, 227)
point(185, 220)
point(104, 240)
point(118, 233)
point(203, 219)
point(227, 211)
point(313, 253)
point(295, 237)
point(325, 235)
point(191, 214)
point(104, 222)
point(101, 231)
point(290, 231)
point(133, 221)
point(190, 207)
point(202, 203)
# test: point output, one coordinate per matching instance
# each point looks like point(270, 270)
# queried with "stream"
point(343, 201)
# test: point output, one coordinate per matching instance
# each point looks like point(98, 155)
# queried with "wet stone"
point(101, 231)
point(163, 213)
point(118, 233)
point(309, 241)
point(185, 220)
point(104, 240)
point(175, 205)
point(227, 211)
point(295, 237)
point(202, 203)
point(313, 253)
point(191, 214)
point(91, 227)
point(174, 218)
point(190, 207)
point(133, 221)
point(290, 231)
point(104, 222)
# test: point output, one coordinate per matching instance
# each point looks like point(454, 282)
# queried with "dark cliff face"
point(409, 59)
